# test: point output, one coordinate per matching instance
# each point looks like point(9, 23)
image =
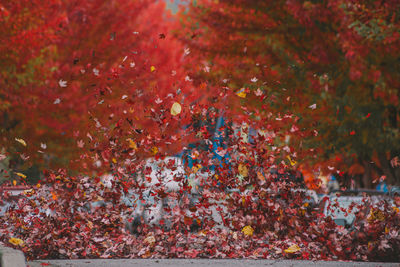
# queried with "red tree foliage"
point(110, 85)
point(87, 64)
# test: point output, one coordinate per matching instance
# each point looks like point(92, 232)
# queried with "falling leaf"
point(96, 72)
point(395, 162)
point(241, 93)
point(243, 171)
point(114, 160)
point(154, 150)
point(254, 79)
point(353, 132)
point(132, 144)
point(258, 92)
point(21, 141)
point(248, 230)
point(158, 101)
point(152, 68)
point(53, 196)
point(292, 162)
point(221, 152)
point(292, 249)
point(23, 176)
point(176, 109)
point(196, 168)
point(16, 241)
point(368, 115)
point(260, 176)
point(14, 182)
point(62, 83)
point(29, 192)
point(23, 156)
point(80, 143)
point(313, 106)
point(57, 101)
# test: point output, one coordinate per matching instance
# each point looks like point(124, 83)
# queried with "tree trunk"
point(366, 177)
point(397, 176)
point(387, 169)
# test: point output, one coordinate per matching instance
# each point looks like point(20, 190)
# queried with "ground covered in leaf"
point(52, 223)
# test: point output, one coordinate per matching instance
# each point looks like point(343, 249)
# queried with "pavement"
point(10, 257)
point(201, 263)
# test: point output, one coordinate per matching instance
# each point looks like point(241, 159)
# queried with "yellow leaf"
point(241, 93)
point(292, 249)
point(21, 175)
point(260, 176)
point(292, 162)
point(38, 185)
point(243, 171)
point(21, 141)
point(152, 68)
point(248, 230)
point(196, 168)
point(29, 192)
point(202, 233)
point(154, 150)
point(176, 109)
point(16, 241)
point(14, 182)
point(114, 160)
point(53, 196)
point(132, 144)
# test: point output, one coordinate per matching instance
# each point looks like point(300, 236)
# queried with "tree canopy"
point(333, 66)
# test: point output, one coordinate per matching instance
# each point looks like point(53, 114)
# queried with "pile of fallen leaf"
point(51, 222)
